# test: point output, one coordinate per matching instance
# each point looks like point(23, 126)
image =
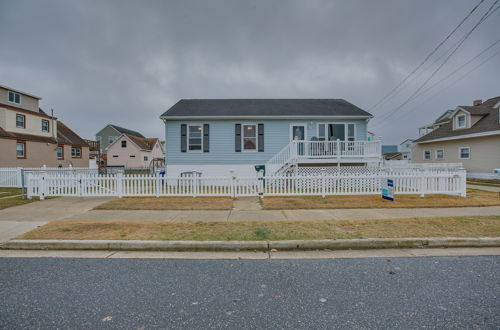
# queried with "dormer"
point(461, 119)
point(18, 99)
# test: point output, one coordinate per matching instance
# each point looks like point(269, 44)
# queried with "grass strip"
point(488, 226)
point(474, 197)
point(168, 203)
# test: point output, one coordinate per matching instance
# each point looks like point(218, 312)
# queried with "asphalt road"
point(439, 292)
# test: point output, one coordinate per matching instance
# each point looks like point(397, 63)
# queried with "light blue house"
point(218, 136)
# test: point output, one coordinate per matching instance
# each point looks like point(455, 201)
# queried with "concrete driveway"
point(17, 220)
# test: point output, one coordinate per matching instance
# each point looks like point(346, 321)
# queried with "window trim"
point(57, 154)
point(430, 154)
point(48, 125)
point(298, 124)
point(76, 147)
point(24, 120)
point(187, 138)
point(24, 149)
point(460, 152)
point(436, 154)
point(346, 130)
point(14, 102)
point(458, 121)
point(121, 143)
point(243, 137)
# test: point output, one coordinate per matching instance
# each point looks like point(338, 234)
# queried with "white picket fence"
point(420, 182)
point(12, 176)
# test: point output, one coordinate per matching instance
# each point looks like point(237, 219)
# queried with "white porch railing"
point(369, 182)
point(301, 151)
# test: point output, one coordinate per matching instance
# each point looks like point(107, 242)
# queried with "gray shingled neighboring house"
point(468, 135)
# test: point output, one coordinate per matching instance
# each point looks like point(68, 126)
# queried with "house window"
point(132, 156)
point(195, 134)
point(111, 139)
point(350, 132)
point(461, 121)
point(439, 154)
point(21, 149)
point(76, 152)
point(249, 137)
point(124, 144)
point(427, 155)
point(60, 152)
point(14, 97)
point(115, 156)
point(45, 125)
point(20, 121)
point(146, 158)
point(464, 153)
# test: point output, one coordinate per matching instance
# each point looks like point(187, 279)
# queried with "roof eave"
point(166, 117)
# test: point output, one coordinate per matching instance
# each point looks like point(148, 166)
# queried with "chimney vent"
point(477, 102)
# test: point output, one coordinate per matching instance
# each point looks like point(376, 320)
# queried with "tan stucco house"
point(468, 135)
point(31, 138)
point(131, 151)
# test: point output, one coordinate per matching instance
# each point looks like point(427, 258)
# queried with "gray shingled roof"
point(263, 108)
point(126, 131)
point(489, 122)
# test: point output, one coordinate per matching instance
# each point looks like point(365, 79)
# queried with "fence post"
point(28, 186)
point(323, 184)
point(42, 186)
point(119, 184)
point(19, 177)
point(422, 183)
point(158, 184)
point(79, 185)
point(463, 182)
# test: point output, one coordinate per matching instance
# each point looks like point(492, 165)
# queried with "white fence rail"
point(45, 184)
point(12, 176)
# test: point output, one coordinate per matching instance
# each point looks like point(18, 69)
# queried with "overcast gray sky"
point(126, 62)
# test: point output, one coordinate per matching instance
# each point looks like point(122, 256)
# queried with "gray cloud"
point(125, 62)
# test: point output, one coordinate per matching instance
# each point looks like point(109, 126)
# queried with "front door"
point(298, 133)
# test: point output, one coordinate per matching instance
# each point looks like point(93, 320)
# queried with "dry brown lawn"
point(474, 198)
point(14, 201)
point(168, 203)
point(272, 230)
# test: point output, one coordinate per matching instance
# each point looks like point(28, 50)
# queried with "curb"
point(340, 244)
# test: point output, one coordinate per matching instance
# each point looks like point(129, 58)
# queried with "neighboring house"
point(393, 156)
point(405, 148)
point(110, 133)
point(130, 151)
point(31, 138)
point(217, 136)
point(389, 149)
point(470, 135)
point(94, 153)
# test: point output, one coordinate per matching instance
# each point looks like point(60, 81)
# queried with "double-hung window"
point(21, 149)
point(427, 155)
point(124, 144)
point(20, 121)
point(461, 121)
point(76, 152)
point(45, 125)
point(464, 153)
point(249, 137)
point(60, 152)
point(195, 137)
point(14, 97)
point(439, 154)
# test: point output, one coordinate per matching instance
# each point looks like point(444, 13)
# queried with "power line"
point(427, 57)
point(382, 124)
point(481, 20)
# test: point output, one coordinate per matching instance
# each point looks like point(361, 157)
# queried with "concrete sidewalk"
point(283, 215)
point(483, 187)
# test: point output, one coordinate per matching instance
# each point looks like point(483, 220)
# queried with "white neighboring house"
point(469, 135)
point(131, 151)
point(405, 148)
